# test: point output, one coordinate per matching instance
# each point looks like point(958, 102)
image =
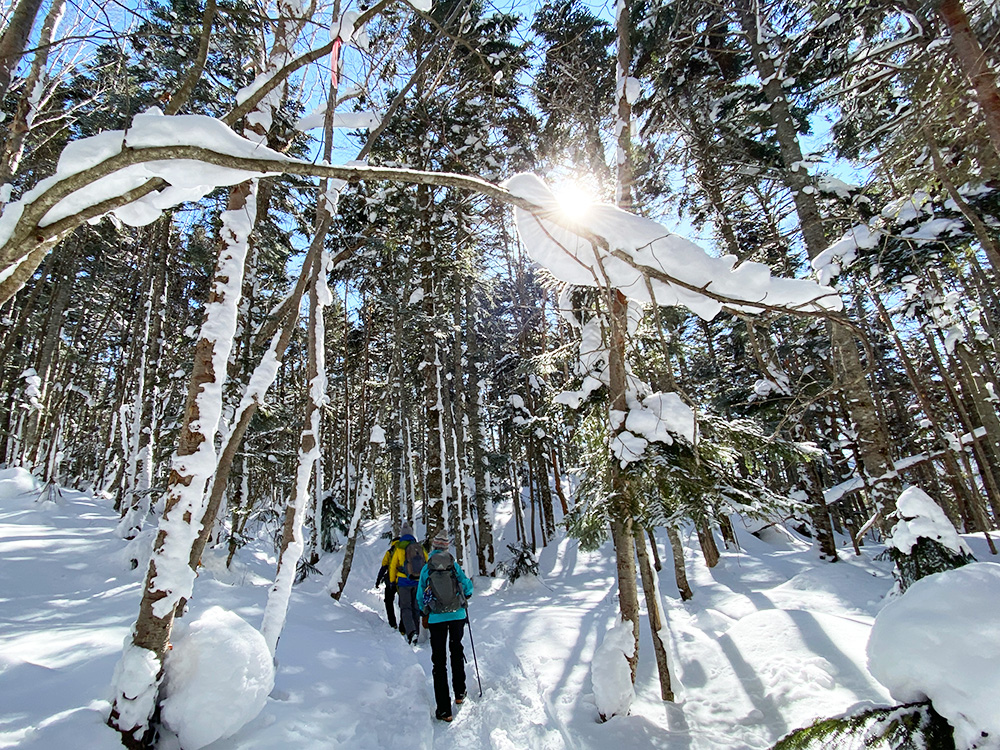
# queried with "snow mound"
point(218, 677)
point(16, 481)
point(941, 641)
point(775, 535)
point(611, 673)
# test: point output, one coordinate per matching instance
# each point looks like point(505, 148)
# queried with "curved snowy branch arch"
point(149, 176)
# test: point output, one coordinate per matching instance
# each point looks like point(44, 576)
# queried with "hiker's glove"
point(381, 576)
point(424, 622)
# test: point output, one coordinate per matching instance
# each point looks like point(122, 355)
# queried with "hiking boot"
point(460, 698)
point(443, 715)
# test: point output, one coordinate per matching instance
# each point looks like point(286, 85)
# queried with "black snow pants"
point(449, 633)
point(390, 603)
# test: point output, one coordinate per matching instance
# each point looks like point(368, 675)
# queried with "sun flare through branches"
point(574, 200)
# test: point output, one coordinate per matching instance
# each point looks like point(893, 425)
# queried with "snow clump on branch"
point(611, 248)
point(920, 517)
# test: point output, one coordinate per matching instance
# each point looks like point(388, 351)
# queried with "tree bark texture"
point(13, 146)
point(706, 540)
point(680, 574)
point(132, 715)
point(15, 39)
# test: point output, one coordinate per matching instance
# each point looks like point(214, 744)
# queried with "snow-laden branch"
point(650, 264)
point(162, 161)
point(157, 163)
point(261, 88)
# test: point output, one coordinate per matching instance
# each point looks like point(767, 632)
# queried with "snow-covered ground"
point(772, 640)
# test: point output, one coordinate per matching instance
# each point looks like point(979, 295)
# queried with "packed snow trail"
point(772, 640)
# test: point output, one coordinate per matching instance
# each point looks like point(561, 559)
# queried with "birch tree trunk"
point(292, 542)
point(362, 497)
point(13, 147)
point(140, 670)
point(48, 352)
point(14, 40)
point(138, 499)
point(260, 382)
point(139, 673)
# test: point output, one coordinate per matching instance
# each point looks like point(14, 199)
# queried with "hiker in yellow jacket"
point(390, 588)
point(405, 564)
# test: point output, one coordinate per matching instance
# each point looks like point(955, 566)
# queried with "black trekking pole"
point(472, 642)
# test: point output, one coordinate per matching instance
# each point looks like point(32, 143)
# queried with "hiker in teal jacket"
point(445, 626)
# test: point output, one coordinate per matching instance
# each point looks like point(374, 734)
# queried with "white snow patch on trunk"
point(611, 673)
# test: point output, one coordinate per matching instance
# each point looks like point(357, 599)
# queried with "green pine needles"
point(925, 558)
point(723, 472)
point(522, 562)
point(914, 726)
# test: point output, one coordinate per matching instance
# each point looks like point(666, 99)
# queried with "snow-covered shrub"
point(936, 647)
point(912, 727)
point(521, 563)
point(941, 641)
point(218, 676)
point(305, 568)
point(924, 542)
